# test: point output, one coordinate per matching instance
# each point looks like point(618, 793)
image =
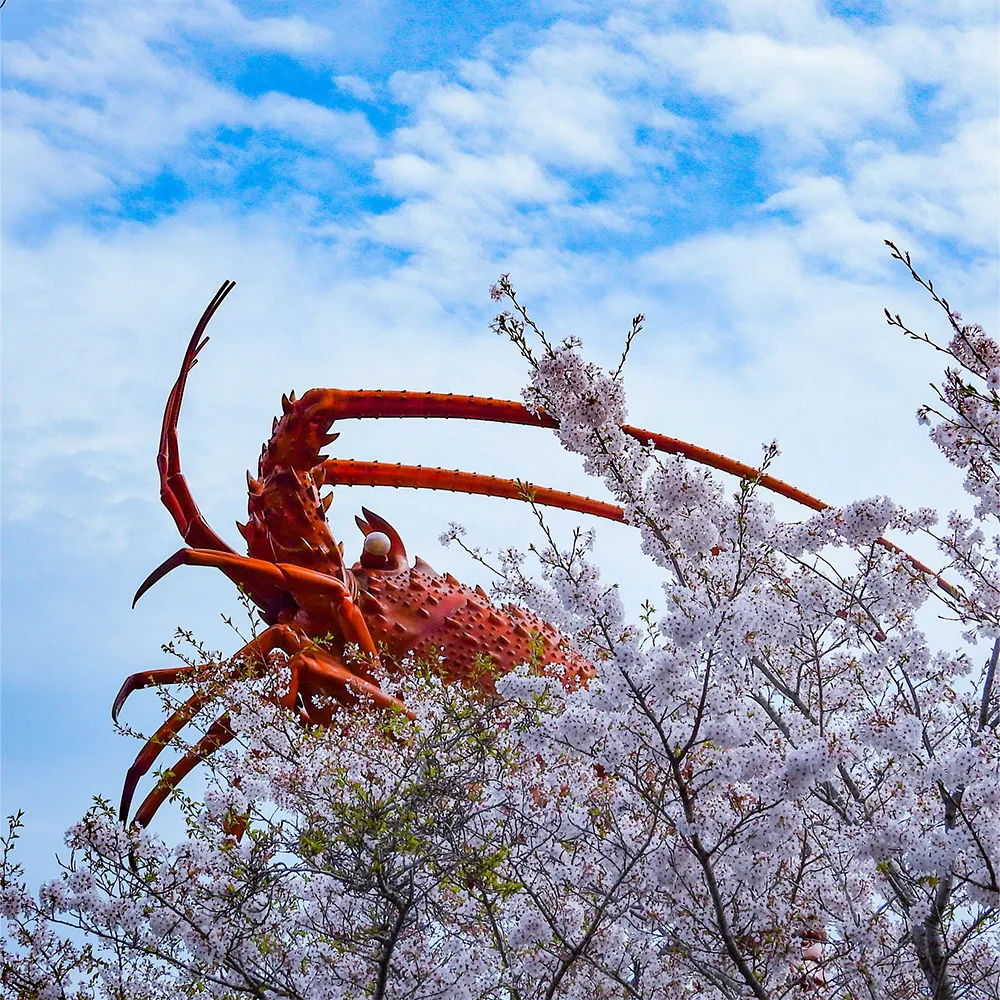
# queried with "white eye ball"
point(377, 543)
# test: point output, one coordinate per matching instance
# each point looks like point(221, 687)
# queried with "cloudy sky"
point(364, 171)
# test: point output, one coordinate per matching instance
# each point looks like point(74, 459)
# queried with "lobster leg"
point(311, 677)
point(315, 672)
point(318, 673)
point(218, 735)
point(286, 576)
point(276, 637)
point(149, 678)
point(164, 735)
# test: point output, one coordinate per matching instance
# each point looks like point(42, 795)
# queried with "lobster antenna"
point(331, 405)
point(350, 472)
point(174, 491)
point(195, 344)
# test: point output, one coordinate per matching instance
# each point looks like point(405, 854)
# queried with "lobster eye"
point(377, 544)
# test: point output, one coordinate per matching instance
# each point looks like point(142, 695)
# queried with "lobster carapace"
point(335, 623)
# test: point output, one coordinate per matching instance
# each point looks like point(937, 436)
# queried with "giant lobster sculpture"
point(379, 611)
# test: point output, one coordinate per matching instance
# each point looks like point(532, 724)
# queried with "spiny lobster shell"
point(423, 614)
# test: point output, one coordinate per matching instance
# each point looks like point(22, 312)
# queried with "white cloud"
point(491, 159)
point(357, 86)
point(781, 19)
point(829, 229)
point(949, 191)
point(345, 133)
point(98, 106)
point(568, 101)
point(503, 180)
point(293, 35)
point(962, 12)
point(37, 174)
point(803, 92)
point(959, 62)
point(486, 175)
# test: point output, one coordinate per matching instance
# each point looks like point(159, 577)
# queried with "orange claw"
point(294, 579)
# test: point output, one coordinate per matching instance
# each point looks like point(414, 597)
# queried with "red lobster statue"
point(382, 609)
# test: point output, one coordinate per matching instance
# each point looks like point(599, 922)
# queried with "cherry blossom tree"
point(771, 787)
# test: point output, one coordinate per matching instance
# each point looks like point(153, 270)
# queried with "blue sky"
point(365, 171)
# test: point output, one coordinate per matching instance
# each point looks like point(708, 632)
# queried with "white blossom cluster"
point(771, 787)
